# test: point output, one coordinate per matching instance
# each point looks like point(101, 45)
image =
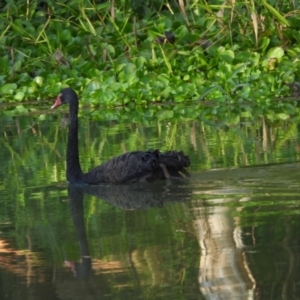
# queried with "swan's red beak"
point(57, 102)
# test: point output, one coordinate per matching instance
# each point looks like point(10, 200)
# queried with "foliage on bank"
point(140, 52)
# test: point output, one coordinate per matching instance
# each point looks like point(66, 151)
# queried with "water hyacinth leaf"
point(119, 67)
point(282, 116)
point(227, 55)
point(19, 96)
point(276, 52)
point(264, 43)
point(39, 80)
point(130, 68)
point(182, 31)
point(93, 86)
point(92, 50)
point(164, 114)
point(139, 62)
point(31, 89)
point(239, 68)
point(185, 53)
point(292, 53)
point(255, 57)
point(163, 78)
point(9, 88)
point(168, 22)
point(4, 62)
point(64, 35)
point(210, 90)
point(110, 80)
point(17, 66)
point(111, 49)
point(186, 77)
point(165, 93)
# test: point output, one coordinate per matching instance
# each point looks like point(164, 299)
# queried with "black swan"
point(134, 166)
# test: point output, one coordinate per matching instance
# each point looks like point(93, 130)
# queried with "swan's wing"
point(139, 166)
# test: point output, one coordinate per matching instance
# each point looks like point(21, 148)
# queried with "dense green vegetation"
point(138, 52)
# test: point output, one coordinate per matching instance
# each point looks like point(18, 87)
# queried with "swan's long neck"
point(74, 172)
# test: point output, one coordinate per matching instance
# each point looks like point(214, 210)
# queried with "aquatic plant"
point(130, 52)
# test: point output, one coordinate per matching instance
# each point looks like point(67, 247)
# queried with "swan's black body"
point(129, 167)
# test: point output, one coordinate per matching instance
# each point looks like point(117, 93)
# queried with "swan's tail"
point(173, 164)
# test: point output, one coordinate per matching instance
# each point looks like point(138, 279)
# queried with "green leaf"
point(164, 114)
point(227, 55)
point(165, 93)
point(282, 116)
point(186, 77)
point(17, 66)
point(292, 53)
point(39, 80)
point(185, 53)
point(93, 86)
point(139, 62)
point(19, 96)
point(111, 50)
point(9, 88)
point(276, 14)
point(264, 43)
point(276, 52)
point(4, 62)
point(130, 68)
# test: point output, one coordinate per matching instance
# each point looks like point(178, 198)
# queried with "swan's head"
point(66, 95)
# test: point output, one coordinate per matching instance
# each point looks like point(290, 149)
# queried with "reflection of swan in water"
point(141, 195)
point(83, 268)
point(132, 196)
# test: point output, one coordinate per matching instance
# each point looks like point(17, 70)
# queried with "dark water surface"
point(232, 231)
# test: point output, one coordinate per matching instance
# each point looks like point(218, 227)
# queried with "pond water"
point(228, 232)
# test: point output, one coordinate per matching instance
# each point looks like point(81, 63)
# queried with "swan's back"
point(139, 166)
